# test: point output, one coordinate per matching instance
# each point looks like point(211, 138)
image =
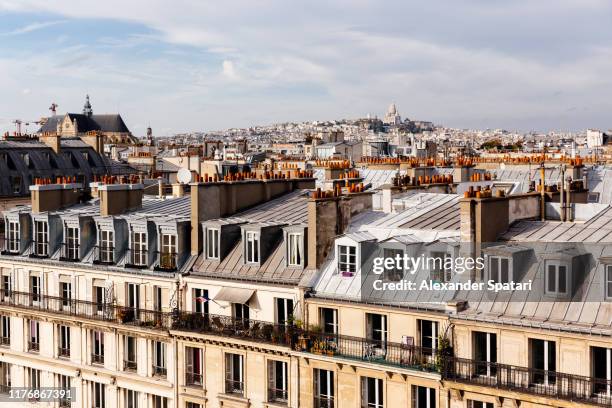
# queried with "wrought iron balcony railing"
point(160, 371)
point(193, 378)
point(137, 258)
point(104, 255)
point(97, 358)
point(5, 341)
point(130, 365)
point(166, 261)
point(69, 252)
point(277, 395)
point(33, 346)
point(550, 384)
point(63, 352)
point(323, 401)
point(10, 246)
point(234, 386)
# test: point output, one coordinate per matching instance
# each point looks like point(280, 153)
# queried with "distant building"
point(111, 126)
point(392, 117)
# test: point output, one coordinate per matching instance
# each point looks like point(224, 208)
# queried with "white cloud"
point(229, 71)
point(32, 27)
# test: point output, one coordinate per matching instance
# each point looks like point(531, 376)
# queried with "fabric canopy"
point(235, 295)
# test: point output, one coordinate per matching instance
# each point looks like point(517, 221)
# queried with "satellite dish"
point(183, 176)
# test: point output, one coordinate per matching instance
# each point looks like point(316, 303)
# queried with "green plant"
point(445, 350)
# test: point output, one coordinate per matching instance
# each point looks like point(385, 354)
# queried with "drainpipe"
point(542, 192)
point(569, 199)
point(561, 196)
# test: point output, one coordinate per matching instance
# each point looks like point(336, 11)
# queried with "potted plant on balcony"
point(445, 350)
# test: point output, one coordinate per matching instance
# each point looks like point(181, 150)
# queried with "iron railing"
point(4, 388)
point(129, 365)
point(5, 341)
point(63, 352)
point(69, 252)
point(321, 401)
point(33, 346)
point(160, 371)
point(39, 249)
point(529, 380)
point(104, 255)
point(10, 246)
point(167, 261)
point(278, 395)
point(97, 358)
point(193, 378)
point(138, 259)
point(234, 386)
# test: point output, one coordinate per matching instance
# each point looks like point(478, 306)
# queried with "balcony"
point(33, 346)
point(278, 396)
point(193, 378)
point(167, 261)
point(160, 371)
point(138, 259)
point(104, 255)
point(97, 359)
point(323, 402)
point(69, 252)
point(234, 387)
point(528, 380)
point(129, 365)
point(63, 352)
point(89, 310)
point(5, 341)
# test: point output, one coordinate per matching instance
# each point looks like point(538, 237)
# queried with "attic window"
point(212, 243)
point(16, 184)
point(608, 281)
point(294, 249)
point(499, 269)
point(252, 247)
point(556, 278)
point(347, 260)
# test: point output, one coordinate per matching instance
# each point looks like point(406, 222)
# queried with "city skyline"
point(195, 67)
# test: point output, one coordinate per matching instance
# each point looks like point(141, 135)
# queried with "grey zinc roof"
point(290, 208)
point(85, 123)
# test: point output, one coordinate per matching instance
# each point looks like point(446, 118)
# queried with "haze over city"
point(193, 66)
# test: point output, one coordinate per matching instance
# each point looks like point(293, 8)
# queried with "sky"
point(200, 65)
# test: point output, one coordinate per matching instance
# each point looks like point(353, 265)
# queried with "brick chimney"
point(216, 199)
point(53, 140)
point(119, 198)
point(52, 197)
point(95, 140)
point(483, 219)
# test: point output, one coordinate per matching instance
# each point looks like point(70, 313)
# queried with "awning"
point(235, 295)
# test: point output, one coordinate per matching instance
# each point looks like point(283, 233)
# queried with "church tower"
point(87, 111)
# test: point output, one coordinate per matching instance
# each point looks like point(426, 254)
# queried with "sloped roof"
point(86, 123)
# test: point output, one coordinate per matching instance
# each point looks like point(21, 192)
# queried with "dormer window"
point(12, 244)
point(294, 249)
point(212, 243)
point(347, 260)
point(167, 256)
point(139, 248)
point(557, 278)
point(71, 246)
point(499, 269)
point(608, 281)
point(107, 246)
point(252, 247)
point(41, 238)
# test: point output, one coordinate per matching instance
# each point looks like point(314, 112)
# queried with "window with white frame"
point(499, 269)
point(35, 289)
point(5, 330)
point(107, 246)
point(347, 259)
point(601, 358)
point(159, 358)
point(6, 285)
point(278, 381)
point(99, 298)
point(394, 274)
point(193, 366)
point(12, 245)
point(129, 353)
point(437, 267)
point(41, 238)
point(240, 311)
point(66, 294)
point(139, 248)
point(160, 402)
point(200, 300)
point(485, 353)
point(557, 277)
point(98, 393)
point(284, 311)
point(33, 335)
point(608, 281)
point(64, 341)
point(131, 398)
point(167, 256)
point(376, 329)
point(133, 296)
point(5, 374)
point(423, 397)
point(157, 298)
point(543, 357)
point(33, 378)
point(324, 388)
point(328, 319)
point(97, 347)
point(428, 331)
point(294, 249)
point(212, 243)
point(234, 373)
point(72, 243)
point(252, 247)
point(371, 392)
point(480, 404)
point(64, 383)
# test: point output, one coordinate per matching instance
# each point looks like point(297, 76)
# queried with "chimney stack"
point(119, 198)
point(52, 197)
point(53, 140)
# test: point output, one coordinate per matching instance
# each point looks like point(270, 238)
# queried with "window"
point(97, 347)
point(129, 353)
point(64, 383)
point(139, 248)
point(5, 330)
point(72, 244)
point(323, 388)
point(159, 358)
point(33, 378)
point(543, 358)
point(66, 293)
point(423, 397)
point(5, 374)
point(167, 257)
point(485, 353)
point(480, 404)
point(131, 399)
point(192, 405)
point(429, 335)
point(437, 270)
point(347, 260)
point(157, 298)
point(234, 373)
point(16, 184)
point(12, 244)
point(252, 247)
point(608, 281)
point(6, 286)
point(294, 249)
point(99, 298)
point(328, 319)
point(193, 366)
point(212, 243)
point(499, 269)
point(34, 335)
point(107, 243)
point(284, 311)
point(133, 296)
point(371, 392)
point(64, 341)
point(41, 241)
point(200, 301)
point(376, 329)
point(278, 381)
point(98, 399)
point(35, 289)
point(395, 274)
point(556, 278)
point(241, 311)
point(602, 370)
point(160, 402)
